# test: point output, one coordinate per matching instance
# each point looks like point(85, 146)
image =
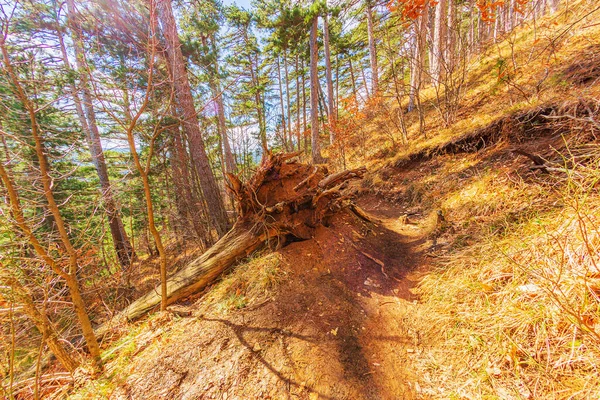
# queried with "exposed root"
point(284, 197)
point(545, 121)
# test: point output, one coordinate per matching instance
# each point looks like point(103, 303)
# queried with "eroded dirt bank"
point(334, 329)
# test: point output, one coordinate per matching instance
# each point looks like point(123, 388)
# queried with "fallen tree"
point(283, 198)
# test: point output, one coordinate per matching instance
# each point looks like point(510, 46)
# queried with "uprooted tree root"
point(284, 198)
point(544, 121)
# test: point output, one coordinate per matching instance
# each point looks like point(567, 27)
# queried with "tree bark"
point(364, 78)
point(352, 78)
point(185, 100)
point(452, 34)
point(298, 107)
point(329, 80)
point(317, 158)
point(287, 95)
point(472, 20)
point(304, 118)
point(187, 199)
point(282, 107)
point(418, 58)
point(372, 50)
point(439, 38)
point(214, 82)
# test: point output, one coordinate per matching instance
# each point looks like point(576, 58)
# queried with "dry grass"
point(512, 310)
point(251, 283)
point(526, 68)
point(516, 313)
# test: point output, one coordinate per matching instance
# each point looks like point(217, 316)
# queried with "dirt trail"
point(335, 329)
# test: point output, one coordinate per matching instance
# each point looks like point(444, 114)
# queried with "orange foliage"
point(347, 126)
point(520, 6)
point(488, 9)
point(410, 9)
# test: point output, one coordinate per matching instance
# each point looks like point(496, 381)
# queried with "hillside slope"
point(321, 317)
point(480, 280)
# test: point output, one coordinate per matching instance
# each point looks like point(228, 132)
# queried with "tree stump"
point(283, 198)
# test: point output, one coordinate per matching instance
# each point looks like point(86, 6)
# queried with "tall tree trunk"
point(177, 171)
point(496, 24)
point(287, 95)
point(314, 94)
point(227, 153)
point(254, 77)
point(337, 85)
point(282, 107)
point(372, 50)
point(481, 30)
point(298, 101)
point(452, 34)
point(439, 38)
point(185, 100)
point(323, 110)
point(329, 80)
point(418, 58)
point(391, 53)
point(187, 203)
point(352, 78)
point(304, 118)
point(123, 248)
point(472, 20)
point(364, 78)
point(215, 84)
point(510, 20)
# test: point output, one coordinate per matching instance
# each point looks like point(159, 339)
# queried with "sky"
point(240, 3)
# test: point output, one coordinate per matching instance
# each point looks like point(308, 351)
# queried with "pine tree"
point(317, 158)
point(185, 101)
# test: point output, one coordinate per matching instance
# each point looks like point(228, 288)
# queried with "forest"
point(277, 199)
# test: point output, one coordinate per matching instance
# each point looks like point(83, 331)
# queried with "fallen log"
point(284, 197)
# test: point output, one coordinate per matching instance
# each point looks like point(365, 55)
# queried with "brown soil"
point(548, 122)
point(334, 329)
point(340, 325)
